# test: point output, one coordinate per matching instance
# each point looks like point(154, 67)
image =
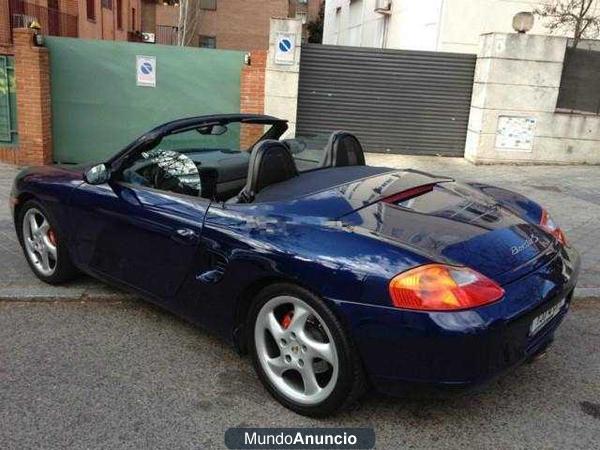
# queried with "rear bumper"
point(465, 348)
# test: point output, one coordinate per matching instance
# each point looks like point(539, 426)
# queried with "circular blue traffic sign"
point(285, 45)
point(146, 68)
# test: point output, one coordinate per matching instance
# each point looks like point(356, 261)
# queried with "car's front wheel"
point(301, 353)
point(43, 244)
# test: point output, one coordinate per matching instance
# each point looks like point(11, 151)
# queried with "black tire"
point(351, 383)
point(64, 270)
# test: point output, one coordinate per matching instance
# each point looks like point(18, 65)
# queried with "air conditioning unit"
point(383, 6)
point(149, 38)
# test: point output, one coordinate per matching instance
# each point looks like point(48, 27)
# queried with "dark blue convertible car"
point(333, 275)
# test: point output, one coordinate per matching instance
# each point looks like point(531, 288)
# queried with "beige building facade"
point(435, 25)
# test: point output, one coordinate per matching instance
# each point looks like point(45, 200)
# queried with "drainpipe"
point(101, 22)
point(439, 25)
point(384, 35)
point(386, 13)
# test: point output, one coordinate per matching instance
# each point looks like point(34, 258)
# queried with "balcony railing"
point(52, 21)
point(166, 35)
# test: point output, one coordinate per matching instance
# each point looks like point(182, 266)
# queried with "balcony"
point(52, 21)
point(166, 35)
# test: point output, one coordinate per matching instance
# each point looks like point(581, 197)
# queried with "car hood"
point(58, 171)
point(457, 224)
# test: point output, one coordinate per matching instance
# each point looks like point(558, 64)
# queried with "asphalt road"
point(128, 375)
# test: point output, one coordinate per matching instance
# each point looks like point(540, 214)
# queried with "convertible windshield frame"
point(154, 136)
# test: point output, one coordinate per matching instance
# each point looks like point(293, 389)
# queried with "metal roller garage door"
point(395, 101)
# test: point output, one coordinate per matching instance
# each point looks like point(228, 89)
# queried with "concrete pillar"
point(281, 80)
point(517, 79)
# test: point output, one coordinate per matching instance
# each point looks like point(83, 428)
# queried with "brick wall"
point(5, 38)
point(149, 15)
point(32, 73)
point(252, 96)
point(68, 6)
point(237, 24)
point(105, 24)
point(245, 25)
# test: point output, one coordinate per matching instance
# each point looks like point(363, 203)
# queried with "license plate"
point(545, 317)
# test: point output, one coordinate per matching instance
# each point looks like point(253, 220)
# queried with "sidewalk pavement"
point(570, 193)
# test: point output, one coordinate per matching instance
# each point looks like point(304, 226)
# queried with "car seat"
point(270, 162)
point(343, 149)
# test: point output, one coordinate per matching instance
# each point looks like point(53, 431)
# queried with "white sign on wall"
point(285, 48)
point(145, 67)
point(515, 133)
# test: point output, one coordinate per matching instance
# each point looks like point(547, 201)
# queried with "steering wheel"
point(164, 181)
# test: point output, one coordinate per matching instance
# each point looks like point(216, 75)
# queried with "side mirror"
point(97, 174)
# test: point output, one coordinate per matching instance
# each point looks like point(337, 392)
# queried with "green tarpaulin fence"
point(97, 107)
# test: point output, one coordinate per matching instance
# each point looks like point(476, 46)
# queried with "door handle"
point(185, 235)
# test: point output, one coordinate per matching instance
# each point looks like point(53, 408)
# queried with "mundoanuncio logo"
point(300, 438)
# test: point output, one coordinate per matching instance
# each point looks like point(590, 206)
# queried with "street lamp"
point(38, 37)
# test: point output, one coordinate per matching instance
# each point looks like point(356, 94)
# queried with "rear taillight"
point(548, 224)
point(437, 287)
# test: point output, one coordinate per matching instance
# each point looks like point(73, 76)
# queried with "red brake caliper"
point(287, 319)
point(52, 236)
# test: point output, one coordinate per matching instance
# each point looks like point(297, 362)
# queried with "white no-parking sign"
point(145, 70)
point(285, 48)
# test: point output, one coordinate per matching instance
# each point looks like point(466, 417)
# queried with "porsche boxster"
point(332, 275)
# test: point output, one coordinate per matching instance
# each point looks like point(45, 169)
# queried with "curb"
point(63, 295)
point(77, 295)
point(587, 294)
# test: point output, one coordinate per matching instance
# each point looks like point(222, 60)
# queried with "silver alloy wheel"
point(39, 242)
point(299, 358)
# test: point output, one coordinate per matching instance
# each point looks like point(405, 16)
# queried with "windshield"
point(209, 159)
point(307, 150)
point(231, 137)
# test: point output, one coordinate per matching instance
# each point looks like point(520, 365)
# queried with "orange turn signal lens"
point(438, 287)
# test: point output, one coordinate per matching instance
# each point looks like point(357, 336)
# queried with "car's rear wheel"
point(43, 244)
point(301, 352)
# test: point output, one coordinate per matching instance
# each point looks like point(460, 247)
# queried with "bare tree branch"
point(577, 17)
point(188, 22)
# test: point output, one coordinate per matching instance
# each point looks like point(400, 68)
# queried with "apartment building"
point(88, 19)
point(225, 24)
point(109, 19)
point(439, 25)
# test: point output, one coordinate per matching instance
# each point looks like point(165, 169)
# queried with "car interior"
point(205, 162)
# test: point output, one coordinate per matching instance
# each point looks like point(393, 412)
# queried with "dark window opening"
point(107, 4)
point(91, 9)
point(207, 41)
point(120, 14)
point(580, 84)
point(133, 19)
point(210, 5)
